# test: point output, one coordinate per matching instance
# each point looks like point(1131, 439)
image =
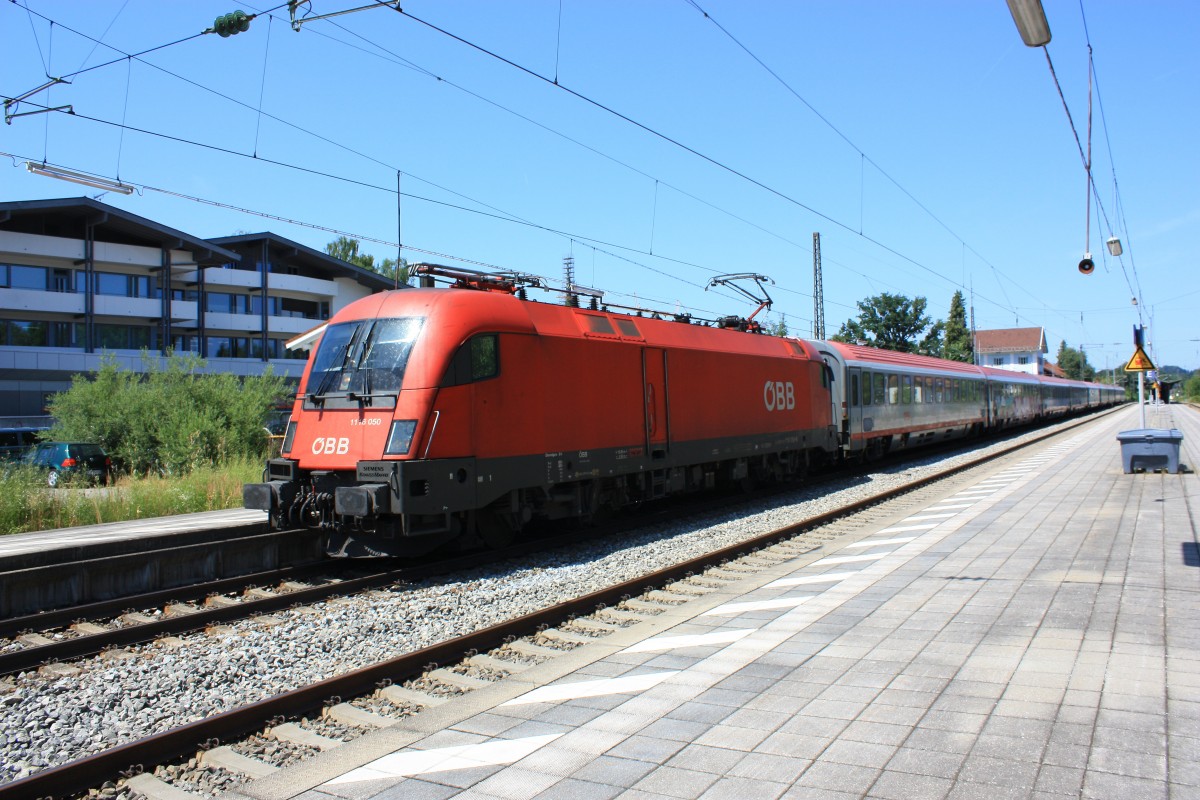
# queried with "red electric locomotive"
point(431, 415)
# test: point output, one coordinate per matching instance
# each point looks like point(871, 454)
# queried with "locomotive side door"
point(654, 392)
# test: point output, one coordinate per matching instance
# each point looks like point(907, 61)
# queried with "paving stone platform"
point(1034, 635)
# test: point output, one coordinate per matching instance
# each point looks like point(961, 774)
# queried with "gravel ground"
point(46, 722)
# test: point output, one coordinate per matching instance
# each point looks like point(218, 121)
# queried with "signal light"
point(229, 24)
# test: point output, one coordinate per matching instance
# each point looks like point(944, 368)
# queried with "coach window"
point(893, 389)
point(928, 391)
point(906, 389)
point(866, 388)
point(879, 381)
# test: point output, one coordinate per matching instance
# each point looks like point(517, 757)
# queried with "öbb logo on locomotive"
point(331, 445)
point(779, 395)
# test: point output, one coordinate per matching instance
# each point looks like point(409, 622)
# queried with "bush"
point(168, 420)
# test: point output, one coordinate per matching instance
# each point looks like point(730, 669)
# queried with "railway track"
point(535, 634)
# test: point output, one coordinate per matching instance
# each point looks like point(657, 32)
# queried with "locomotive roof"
point(496, 312)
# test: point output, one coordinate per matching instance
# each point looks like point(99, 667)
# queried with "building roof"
point(1053, 370)
point(1011, 340)
point(69, 217)
point(282, 249)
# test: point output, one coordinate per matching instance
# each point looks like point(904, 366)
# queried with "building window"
point(18, 276)
point(125, 337)
point(1022, 359)
point(20, 333)
point(227, 347)
point(997, 361)
point(117, 284)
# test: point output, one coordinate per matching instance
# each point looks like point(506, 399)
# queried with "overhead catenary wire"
point(913, 261)
point(370, 158)
point(709, 159)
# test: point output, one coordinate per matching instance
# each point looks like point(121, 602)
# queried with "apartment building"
point(80, 279)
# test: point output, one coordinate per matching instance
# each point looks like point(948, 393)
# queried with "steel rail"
point(61, 617)
point(80, 775)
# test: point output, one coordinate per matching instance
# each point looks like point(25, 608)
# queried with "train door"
point(654, 388)
point(854, 402)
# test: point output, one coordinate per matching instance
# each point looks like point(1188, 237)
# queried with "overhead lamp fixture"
point(95, 181)
point(1031, 21)
point(1114, 246)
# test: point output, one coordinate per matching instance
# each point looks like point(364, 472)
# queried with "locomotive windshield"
point(362, 361)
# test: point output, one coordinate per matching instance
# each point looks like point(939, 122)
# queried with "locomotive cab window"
point(362, 361)
point(476, 360)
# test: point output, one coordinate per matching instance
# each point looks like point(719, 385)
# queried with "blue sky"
point(923, 140)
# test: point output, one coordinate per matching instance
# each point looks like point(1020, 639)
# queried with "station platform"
point(1035, 634)
point(22, 550)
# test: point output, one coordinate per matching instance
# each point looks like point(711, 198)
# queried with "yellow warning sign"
point(1140, 362)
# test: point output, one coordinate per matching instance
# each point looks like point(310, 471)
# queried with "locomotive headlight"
point(400, 437)
point(288, 436)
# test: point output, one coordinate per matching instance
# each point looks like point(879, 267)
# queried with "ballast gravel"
point(45, 722)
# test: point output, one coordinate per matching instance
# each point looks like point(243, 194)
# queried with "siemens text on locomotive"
point(426, 416)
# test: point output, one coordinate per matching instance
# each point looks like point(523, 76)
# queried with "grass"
point(26, 504)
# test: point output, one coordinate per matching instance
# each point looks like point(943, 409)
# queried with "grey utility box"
point(1150, 449)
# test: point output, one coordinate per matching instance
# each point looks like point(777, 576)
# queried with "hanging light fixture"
point(1031, 21)
point(1114, 246)
point(95, 181)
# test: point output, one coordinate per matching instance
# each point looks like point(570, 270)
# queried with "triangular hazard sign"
point(1140, 362)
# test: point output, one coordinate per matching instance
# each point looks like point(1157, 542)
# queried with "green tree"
point(778, 328)
point(1074, 363)
point(932, 344)
point(174, 418)
point(892, 322)
point(957, 345)
point(347, 250)
point(1191, 388)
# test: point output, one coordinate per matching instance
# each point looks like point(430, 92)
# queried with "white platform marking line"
point(756, 605)
point(881, 542)
point(942, 506)
point(924, 526)
point(694, 640)
point(929, 516)
point(421, 762)
point(850, 559)
point(627, 684)
point(828, 577)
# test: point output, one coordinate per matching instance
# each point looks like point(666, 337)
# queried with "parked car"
point(65, 459)
point(16, 442)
